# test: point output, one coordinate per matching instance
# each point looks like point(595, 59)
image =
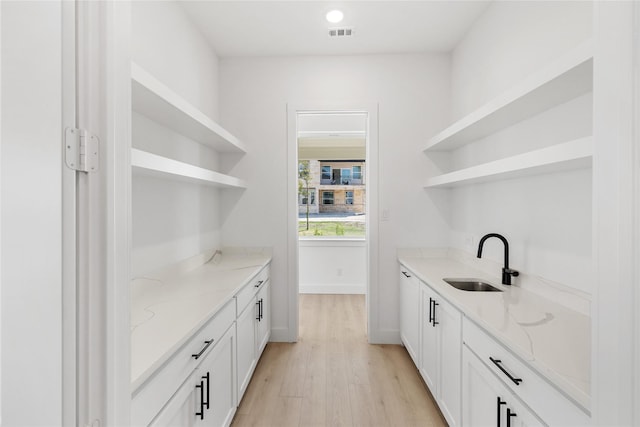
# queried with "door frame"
point(372, 203)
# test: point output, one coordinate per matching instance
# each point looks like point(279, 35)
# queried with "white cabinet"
point(546, 401)
point(207, 398)
point(410, 313)
point(441, 347)
point(246, 330)
point(218, 383)
point(253, 326)
point(264, 316)
point(486, 401)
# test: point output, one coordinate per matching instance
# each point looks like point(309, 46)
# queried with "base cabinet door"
point(441, 353)
point(429, 362)
point(219, 376)
point(264, 316)
point(181, 409)
point(486, 401)
point(410, 313)
point(449, 326)
point(246, 338)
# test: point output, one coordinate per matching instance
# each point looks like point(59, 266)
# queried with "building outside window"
point(303, 199)
point(357, 172)
point(348, 198)
point(326, 172)
point(345, 176)
point(327, 197)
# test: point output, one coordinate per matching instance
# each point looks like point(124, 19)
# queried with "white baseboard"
point(279, 335)
point(385, 336)
point(332, 289)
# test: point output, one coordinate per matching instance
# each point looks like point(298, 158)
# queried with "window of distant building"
point(326, 172)
point(312, 195)
point(357, 172)
point(348, 198)
point(345, 176)
point(327, 197)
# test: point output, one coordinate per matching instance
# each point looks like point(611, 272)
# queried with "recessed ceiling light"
point(335, 16)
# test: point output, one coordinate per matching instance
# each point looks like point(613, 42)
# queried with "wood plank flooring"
point(333, 377)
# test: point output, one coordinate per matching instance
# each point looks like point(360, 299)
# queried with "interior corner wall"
point(412, 92)
point(173, 220)
point(546, 218)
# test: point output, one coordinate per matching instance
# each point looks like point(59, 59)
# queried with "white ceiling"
point(299, 27)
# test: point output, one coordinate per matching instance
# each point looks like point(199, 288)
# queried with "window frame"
point(325, 199)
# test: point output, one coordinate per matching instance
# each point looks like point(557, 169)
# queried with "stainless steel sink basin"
point(472, 285)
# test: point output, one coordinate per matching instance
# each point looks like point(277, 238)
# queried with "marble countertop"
point(169, 306)
point(553, 339)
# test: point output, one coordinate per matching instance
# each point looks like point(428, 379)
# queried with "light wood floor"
point(332, 376)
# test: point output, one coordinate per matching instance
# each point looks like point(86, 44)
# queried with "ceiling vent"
point(341, 32)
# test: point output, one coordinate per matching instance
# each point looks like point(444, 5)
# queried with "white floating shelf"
point(562, 81)
point(576, 154)
point(149, 164)
point(153, 99)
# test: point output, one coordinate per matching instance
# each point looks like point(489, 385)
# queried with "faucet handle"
point(511, 272)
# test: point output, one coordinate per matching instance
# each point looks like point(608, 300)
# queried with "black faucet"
point(506, 271)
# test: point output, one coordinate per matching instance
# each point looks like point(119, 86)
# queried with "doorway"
point(338, 147)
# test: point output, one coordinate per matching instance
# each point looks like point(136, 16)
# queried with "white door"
point(32, 224)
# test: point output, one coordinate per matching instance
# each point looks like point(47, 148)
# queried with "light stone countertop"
point(169, 306)
point(552, 338)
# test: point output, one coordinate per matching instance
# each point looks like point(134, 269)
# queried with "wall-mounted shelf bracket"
point(81, 150)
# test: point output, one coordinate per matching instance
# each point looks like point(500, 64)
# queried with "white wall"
point(333, 266)
point(173, 220)
point(547, 219)
point(31, 214)
point(412, 92)
point(509, 41)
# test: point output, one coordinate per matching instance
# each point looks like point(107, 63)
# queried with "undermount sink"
point(472, 285)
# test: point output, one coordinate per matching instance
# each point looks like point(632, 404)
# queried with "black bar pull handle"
point(201, 413)
point(206, 377)
point(206, 346)
point(257, 285)
point(509, 415)
point(258, 314)
point(500, 403)
point(430, 309)
point(405, 274)
point(434, 313)
point(261, 308)
point(498, 363)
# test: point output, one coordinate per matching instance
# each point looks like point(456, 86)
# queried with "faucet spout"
point(506, 271)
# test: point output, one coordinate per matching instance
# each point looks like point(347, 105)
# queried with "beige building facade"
point(336, 186)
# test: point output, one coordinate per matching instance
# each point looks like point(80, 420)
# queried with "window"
point(348, 198)
point(357, 172)
point(345, 176)
point(326, 172)
point(302, 199)
point(327, 197)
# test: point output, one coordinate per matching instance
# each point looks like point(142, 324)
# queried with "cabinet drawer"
point(151, 396)
point(553, 407)
point(247, 293)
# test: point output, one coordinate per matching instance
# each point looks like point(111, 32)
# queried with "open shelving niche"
point(153, 99)
point(568, 78)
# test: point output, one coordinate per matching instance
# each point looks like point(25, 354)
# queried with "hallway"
point(332, 376)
